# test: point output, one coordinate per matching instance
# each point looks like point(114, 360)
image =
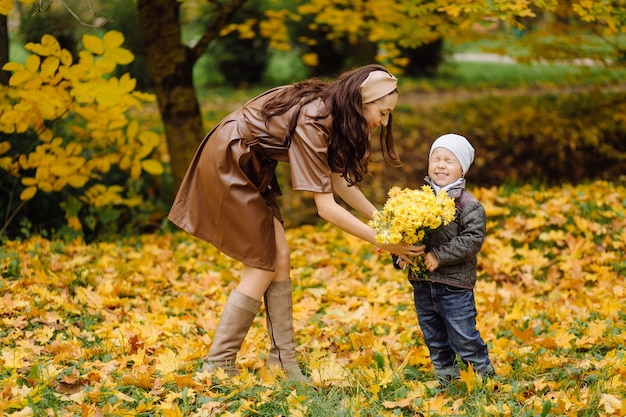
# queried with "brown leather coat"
point(228, 195)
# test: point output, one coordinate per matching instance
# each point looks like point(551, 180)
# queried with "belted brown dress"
point(228, 195)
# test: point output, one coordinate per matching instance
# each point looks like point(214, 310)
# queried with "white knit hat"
point(459, 146)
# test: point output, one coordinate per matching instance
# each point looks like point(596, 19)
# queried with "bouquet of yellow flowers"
point(409, 215)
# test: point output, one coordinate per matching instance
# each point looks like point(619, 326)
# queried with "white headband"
point(377, 84)
point(459, 146)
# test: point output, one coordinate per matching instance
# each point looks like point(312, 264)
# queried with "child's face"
point(443, 167)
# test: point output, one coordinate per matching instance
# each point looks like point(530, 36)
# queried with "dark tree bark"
point(170, 66)
point(4, 49)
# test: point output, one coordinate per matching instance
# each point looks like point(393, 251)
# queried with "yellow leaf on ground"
point(168, 361)
point(140, 377)
point(469, 377)
point(612, 404)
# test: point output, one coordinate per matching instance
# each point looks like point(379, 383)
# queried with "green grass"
point(513, 43)
point(480, 75)
point(477, 75)
point(470, 76)
point(452, 75)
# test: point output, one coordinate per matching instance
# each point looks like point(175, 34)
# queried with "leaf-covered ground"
point(121, 328)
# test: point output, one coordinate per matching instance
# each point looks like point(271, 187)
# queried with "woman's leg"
point(255, 281)
point(279, 311)
point(237, 317)
point(243, 305)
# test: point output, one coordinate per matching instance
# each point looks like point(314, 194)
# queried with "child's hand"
point(402, 263)
point(431, 262)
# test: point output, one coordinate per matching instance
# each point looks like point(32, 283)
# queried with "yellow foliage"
point(152, 302)
point(274, 27)
point(152, 166)
point(93, 44)
point(49, 88)
point(49, 46)
point(28, 193)
point(310, 59)
point(6, 6)
point(100, 195)
point(413, 23)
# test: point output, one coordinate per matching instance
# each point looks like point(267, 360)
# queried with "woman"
point(228, 196)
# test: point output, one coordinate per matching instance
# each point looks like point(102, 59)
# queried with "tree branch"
point(224, 15)
point(10, 216)
point(98, 20)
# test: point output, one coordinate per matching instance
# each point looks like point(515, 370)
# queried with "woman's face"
point(443, 167)
point(377, 112)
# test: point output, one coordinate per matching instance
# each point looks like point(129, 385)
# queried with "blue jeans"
point(447, 317)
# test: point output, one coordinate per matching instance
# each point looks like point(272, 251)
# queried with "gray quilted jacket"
point(457, 244)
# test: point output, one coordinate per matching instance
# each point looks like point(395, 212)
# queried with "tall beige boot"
point(279, 317)
point(233, 327)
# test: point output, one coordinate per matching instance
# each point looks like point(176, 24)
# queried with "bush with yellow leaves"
point(70, 150)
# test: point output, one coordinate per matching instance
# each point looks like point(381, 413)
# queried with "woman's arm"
point(329, 210)
point(352, 195)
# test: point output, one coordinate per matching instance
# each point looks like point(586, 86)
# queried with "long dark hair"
point(349, 149)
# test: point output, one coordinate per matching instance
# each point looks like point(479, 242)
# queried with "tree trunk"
point(170, 66)
point(4, 49)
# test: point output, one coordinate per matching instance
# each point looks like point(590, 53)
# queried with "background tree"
point(392, 28)
point(242, 57)
point(5, 7)
point(405, 26)
point(4, 49)
point(170, 66)
point(327, 51)
point(552, 30)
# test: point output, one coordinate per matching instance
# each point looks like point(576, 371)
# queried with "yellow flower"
point(409, 214)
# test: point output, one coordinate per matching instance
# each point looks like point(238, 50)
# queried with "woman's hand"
point(405, 251)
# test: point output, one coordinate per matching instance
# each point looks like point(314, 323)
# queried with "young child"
point(444, 301)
